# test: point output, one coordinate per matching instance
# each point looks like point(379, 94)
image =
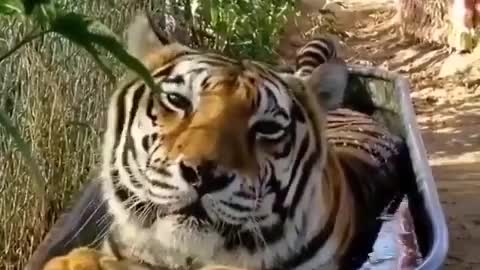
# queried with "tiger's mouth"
point(207, 201)
point(207, 183)
point(195, 210)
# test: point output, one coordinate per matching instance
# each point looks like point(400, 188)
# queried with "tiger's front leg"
point(90, 259)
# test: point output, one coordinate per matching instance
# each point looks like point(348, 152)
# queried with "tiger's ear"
point(145, 35)
point(329, 82)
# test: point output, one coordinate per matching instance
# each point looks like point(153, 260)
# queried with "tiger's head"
point(230, 144)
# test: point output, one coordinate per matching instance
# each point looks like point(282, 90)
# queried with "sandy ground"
point(448, 112)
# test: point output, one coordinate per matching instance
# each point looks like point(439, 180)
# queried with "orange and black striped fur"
point(314, 53)
point(230, 162)
point(318, 61)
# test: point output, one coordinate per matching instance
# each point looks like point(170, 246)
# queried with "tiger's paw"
point(90, 259)
point(77, 259)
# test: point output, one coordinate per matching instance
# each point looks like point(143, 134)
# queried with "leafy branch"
point(84, 31)
point(80, 29)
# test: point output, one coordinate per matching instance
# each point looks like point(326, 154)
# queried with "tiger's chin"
point(198, 227)
point(177, 235)
point(193, 213)
point(202, 218)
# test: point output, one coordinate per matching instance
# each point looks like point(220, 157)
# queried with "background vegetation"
point(53, 95)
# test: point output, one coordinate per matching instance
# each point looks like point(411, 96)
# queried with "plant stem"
point(28, 38)
point(24, 149)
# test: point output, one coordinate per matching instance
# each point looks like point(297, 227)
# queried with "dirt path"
point(448, 112)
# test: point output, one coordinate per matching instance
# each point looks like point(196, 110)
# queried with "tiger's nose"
point(190, 174)
point(205, 177)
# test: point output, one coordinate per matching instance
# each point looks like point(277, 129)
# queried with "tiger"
point(318, 60)
point(232, 163)
point(314, 53)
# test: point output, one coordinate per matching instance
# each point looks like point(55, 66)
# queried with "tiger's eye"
point(268, 127)
point(269, 131)
point(178, 101)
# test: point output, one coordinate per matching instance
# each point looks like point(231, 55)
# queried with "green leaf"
point(11, 7)
point(89, 34)
point(42, 11)
point(24, 149)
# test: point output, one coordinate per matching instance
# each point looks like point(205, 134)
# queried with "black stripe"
point(114, 175)
point(126, 166)
point(312, 60)
point(164, 70)
point(319, 57)
point(123, 194)
point(297, 113)
point(289, 143)
point(308, 64)
point(244, 195)
point(286, 149)
point(298, 158)
point(236, 206)
point(272, 102)
point(162, 185)
point(133, 111)
point(149, 111)
point(135, 205)
point(325, 45)
point(273, 79)
point(120, 111)
point(129, 146)
point(307, 252)
point(274, 185)
point(146, 142)
point(303, 180)
point(277, 78)
point(235, 237)
point(205, 82)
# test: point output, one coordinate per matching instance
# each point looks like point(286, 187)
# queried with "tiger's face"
point(225, 144)
point(224, 134)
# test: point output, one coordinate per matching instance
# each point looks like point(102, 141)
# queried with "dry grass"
point(55, 94)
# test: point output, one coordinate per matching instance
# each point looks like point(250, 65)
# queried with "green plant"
point(239, 28)
point(245, 28)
